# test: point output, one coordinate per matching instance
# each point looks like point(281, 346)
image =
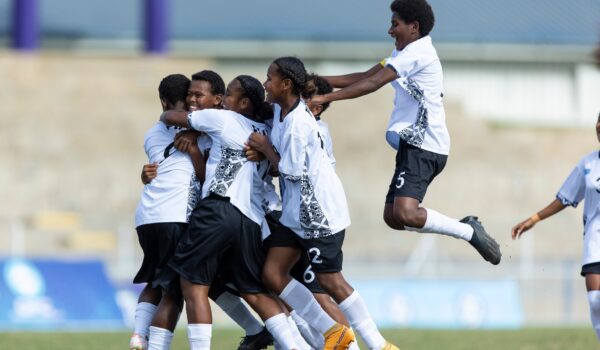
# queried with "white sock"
point(237, 311)
point(594, 301)
point(442, 224)
point(199, 336)
point(354, 346)
point(144, 312)
point(159, 339)
point(280, 329)
point(312, 336)
point(356, 312)
point(301, 299)
point(297, 336)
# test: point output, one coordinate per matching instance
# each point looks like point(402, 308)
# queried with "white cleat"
point(138, 342)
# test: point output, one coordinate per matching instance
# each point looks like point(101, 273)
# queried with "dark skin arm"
point(554, 207)
point(187, 141)
point(359, 88)
point(175, 118)
point(260, 143)
point(342, 81)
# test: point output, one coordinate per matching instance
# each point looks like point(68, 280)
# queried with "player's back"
point(172, 195)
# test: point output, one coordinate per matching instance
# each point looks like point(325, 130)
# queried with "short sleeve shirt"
point(418, 116)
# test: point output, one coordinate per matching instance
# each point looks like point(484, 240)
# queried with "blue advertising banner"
point(53, 294)
point(443, 303)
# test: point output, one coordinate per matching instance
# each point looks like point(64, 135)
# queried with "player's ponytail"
point(255, 92)
point(292, 68)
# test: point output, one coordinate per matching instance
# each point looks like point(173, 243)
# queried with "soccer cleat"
point(482, 241)
point(257, 341)
point(389, 346)
point(138, 342)
point(338, 337)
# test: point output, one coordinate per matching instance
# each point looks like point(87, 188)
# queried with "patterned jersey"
point(173, 194)
point(584, 184)
point(418, 117)
point(313, 199)
point(228, 171)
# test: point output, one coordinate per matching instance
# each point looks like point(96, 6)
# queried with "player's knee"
point(407, 216)
point(273, 279)
point(390, 220)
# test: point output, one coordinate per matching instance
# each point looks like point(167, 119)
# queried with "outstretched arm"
point(342, 81)
point(554, 207)
point(175, 118)
point(359, 88)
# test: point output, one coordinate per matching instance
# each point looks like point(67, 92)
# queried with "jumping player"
point(417, 127)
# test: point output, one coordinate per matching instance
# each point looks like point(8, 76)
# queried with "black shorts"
point(324, 253)
point(220, 240)
point(593, 268)
point(302, 270)
point(415, 170)
point(158, 241)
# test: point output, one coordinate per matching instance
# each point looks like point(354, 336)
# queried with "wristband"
point(535, 218)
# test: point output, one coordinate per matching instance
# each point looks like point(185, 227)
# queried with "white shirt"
point(584, 183)
point(173, 194)
point(228, 171)
point(418, 117)
point(313, 199)
point(326, 136)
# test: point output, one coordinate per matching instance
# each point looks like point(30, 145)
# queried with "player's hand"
point(521, 228)
point(259, 142)
point(184, 140)
point(149, 172)
point(318, 100)
point(252, 154)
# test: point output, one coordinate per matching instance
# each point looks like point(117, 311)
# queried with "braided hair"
point(292, 68)
point(255, 92)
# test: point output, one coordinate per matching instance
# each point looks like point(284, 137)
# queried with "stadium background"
point(521, 102)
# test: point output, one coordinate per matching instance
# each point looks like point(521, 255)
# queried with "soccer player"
point(224, 234)
point(582, 184)
point(321, 87)
point(314, 212)
point(417, 127)
point(163, 210)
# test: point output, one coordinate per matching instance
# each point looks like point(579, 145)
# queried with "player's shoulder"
point(590, 158)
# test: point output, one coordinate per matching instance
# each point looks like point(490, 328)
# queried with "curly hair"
point(173, 88)
point(292, 68)
point(415, 10)
point(217, 85)
point(317, 85)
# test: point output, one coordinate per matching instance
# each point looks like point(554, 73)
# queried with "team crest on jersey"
point(229, 166)
point(415, 134)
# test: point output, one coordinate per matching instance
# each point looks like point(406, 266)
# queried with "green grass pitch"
point(406, 339)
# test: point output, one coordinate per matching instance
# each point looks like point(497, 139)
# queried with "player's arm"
point(149, 172)
point(342, 81)
point(554, 207)
point(258, 142)
point(175, 118)
point(198, 161)
point(359, 88)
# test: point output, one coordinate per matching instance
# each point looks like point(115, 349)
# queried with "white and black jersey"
point(174, 193)
point(228, 171)
point(584, 184)
point(313, 199)
point(418, 117)
point(326, 136)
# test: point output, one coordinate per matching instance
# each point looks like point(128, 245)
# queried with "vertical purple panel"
point(155, 26)
point(25, 27)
